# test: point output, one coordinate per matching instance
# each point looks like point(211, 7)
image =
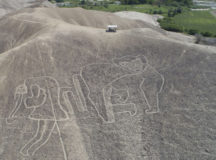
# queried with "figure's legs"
point(125, 108)
point(98, 101)
point(102, 102)
point(106, 109)
point(150, 92)
point(44, 130)
point(107, 93)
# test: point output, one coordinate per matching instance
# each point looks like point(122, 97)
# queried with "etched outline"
point(81, 104)
point(80, 100)
point(121, 77)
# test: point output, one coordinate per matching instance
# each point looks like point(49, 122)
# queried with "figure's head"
point(21, 89)
point(132, 63)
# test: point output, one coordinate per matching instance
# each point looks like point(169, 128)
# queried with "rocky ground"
point(69, 90)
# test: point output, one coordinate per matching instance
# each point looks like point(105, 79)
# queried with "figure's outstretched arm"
point(18, 101)
point(18, 97)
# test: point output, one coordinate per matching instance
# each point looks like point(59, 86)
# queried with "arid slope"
point(69, 90)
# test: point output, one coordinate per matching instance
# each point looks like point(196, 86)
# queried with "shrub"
point(170, 13)
point(160, 12)
point(105, 5)
point(166, 20)
point(171, 27)
point(174, 4)
point(192, 31)
point(155, 12)
point(150, 11)
point(159, 20)
point(82, 2)
point(179, 10)
point(206, 34)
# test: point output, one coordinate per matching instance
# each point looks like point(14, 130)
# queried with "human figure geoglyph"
point(41, 96)
point(109, 88)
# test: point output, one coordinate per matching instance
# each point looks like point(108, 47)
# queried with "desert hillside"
point(7, 6)
point(71, 91)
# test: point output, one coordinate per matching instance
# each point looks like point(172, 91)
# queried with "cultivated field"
point(143, 8)
point(202, 21)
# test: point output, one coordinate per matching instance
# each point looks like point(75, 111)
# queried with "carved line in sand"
point(41, 137)
point(67, 102)
point(44, 91)
point(80, 99)
point(47, 92)
point(41, 94)
point(148, 111)
point(107, 89)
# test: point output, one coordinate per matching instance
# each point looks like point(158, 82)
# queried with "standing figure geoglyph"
point(41, 96)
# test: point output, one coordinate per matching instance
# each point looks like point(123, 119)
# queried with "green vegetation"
point(209, 0)
point(143, 8)
point(177, 14)
point(174, 3)
point(159, 2)
point(191, 22)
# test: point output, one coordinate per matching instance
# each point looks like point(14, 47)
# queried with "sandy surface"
point(71, 91)
point(7, 6)
point(181, 37)
point(151, 19)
